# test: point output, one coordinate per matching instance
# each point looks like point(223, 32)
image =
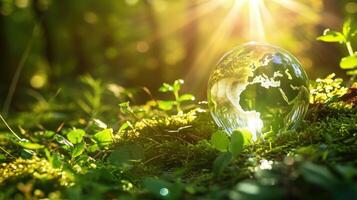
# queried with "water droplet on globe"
point(258, 87)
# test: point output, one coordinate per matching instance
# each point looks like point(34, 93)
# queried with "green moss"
point(175, 149)
point(33, 178)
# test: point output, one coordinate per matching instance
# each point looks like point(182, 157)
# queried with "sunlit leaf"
point(76, 136)
point(349, 62)
point(177, 85)
point(93, 148)
point(166, 87)
point(124, 126)
point(247, 136)
point(30, 145)
point(49, 134)
point(186, 97)
point(220, 141)
point(346, 29)
point(166, 105)
point(78, 150)
point(332, 36)
point(352, 72)
point(104, 137)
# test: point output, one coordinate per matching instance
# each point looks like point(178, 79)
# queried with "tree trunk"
point(6, 72)
point(48, 42)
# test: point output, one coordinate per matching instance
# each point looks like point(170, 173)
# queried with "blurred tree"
point(40, 13)
point(190, 34)
point(4, 61)
point(156, 74)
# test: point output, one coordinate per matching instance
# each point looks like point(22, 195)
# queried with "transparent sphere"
point(258, 87)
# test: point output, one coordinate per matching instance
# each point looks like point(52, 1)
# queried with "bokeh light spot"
point(131, 2)
point(142, 47)
point(38, 80)
point(90, 17)
point(164, 191)
point(351, 7)
point(22, 3)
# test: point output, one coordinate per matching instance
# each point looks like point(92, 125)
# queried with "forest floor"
point(72, 145)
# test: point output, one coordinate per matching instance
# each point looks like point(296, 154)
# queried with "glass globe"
point(258, 87)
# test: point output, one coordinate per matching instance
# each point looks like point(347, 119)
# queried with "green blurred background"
point(138, 43)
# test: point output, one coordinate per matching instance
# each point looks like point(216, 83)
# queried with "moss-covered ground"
point(71, 145)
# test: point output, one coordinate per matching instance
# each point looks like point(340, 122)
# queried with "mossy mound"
point(170, 156)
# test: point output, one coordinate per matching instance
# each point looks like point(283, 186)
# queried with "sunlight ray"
point(256, 27)
point(202, 9)
point(298, 8)
point(215, 44)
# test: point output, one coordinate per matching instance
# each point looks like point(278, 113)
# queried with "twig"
point(7, 125)
point(154, 158)
point(7, 152)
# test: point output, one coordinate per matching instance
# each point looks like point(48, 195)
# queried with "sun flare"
point(256, 23)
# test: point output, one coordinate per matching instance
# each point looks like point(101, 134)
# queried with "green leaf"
point(30, 145)
point(166, 105)
point(93, 148)
point(78, 150)
point(186, 97)
point(126, 153)
point(346, 29)
point(49, 134)
point(221, 162)
point(237, 142)
point(349, 62)
point(76, 136)
point(177, 85)
point(318, 175)
point(332, 36)
point(247, 135)
point(124, 126)
point(55, 160)
point(125, 107)
point(349, 29)
point(166, 88)
point(104, 137)
point(2, 157)
point(352, 72)
point(220, 141)
point(347, 171)
point(354, 33)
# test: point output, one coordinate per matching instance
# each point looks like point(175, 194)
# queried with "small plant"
point(179, 99)
point(230, 147)
point(91, 102)
point(349, 31)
